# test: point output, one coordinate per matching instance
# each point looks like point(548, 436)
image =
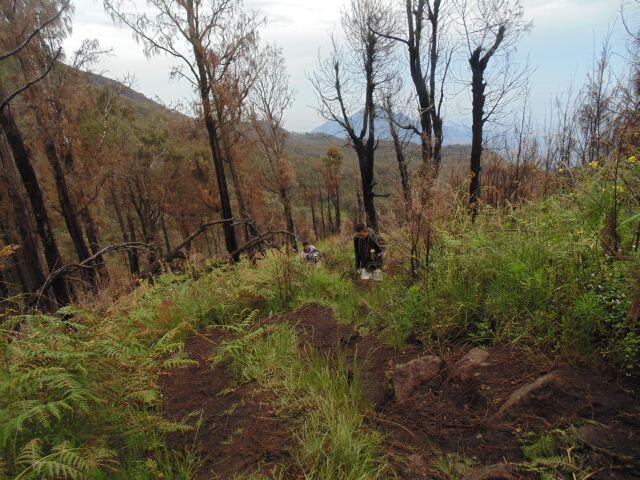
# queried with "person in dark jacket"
point(368, 248)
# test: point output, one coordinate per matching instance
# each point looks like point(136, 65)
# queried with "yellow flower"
point(619, 189)
point(632, 160)
point(373, 251)
point(593, 165)
point(561, 170)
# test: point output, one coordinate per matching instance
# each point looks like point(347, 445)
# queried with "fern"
point(549, 454)
point(180, 361)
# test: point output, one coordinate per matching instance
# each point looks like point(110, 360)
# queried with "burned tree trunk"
point(365, 160)
point(123, 230)
point(337, 206)
point(332, 226)
point(288, 214)
point(28, 257)
point(134, 258)
point(314, 220)
point(68, 211)
point(402, 164)
point(27, 173)
point(94, 243)
point(165, 233)
point(324, 228)
point(478, 100)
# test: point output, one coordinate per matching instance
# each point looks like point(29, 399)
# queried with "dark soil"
point(457, 416)
point(239, 432)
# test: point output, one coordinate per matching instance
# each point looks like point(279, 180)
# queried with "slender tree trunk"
point(23, 163)
point(337, 204)
point(4, 287)
point(123, 228)
point(286, 203)
point(27, 258)
point(94, 242)
point(165, 233)
point(324, 231)
point(437, 145)
point(478, 101)
point(230, 240)
point(20, 267)
point(332, 227)
point(134, 258)
point(249, 228)
point(402, 164)
point(68, 211)
point(314, 220)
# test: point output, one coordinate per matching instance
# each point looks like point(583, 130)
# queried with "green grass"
point(536, 275)
point(324, 403)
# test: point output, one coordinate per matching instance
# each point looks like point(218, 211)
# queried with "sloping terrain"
point(468, 409)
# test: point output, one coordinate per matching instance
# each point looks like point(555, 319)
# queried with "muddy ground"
point(480, 403)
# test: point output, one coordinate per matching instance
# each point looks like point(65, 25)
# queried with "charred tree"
point(22, 158)
point(352, 77)
point(28, 257)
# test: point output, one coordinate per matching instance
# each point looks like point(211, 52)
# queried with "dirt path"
point(239, 434)
point(461, 412)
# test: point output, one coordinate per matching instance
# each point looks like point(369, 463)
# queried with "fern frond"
point(30, 453)
point(180, 362)
point(148, 397)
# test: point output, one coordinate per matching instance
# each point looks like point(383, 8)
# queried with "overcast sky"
point(560, 47)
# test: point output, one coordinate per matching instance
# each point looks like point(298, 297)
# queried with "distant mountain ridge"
point(453, 134)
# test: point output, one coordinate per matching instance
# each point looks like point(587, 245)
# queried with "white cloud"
point(560, 44)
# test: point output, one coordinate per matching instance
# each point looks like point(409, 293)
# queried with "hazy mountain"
point(453, 134)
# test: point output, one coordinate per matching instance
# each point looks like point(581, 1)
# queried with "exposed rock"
point(407, 377)
point(552, 396)
point(468, 365)
point(499, 471)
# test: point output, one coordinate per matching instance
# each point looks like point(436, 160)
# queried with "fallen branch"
point(259, 240)
point(155, 266)
point(86, 263)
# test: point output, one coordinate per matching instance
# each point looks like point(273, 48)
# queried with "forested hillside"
point(198, 293)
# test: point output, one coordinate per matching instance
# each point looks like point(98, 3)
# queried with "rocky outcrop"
point(469, 365)
point(420, 371)
point(552, 396)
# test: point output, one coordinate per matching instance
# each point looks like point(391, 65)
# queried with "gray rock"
point(499, 471)
point(468, 366)
point(551, 396)
point(407, 377)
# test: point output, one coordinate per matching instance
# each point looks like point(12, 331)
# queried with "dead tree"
point(346, 83)
point(272, 96)
point(398, 146)
point(425, 36)
point(28, 30)
point(490, 28)
point(204, 29)
point(330, 169)
point(594, 115)
point(28, 256)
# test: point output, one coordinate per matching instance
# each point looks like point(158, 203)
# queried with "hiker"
point(368, 248)
point(310, 253)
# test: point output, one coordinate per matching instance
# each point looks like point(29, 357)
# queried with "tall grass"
point(324, 402)
point(535, 275)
